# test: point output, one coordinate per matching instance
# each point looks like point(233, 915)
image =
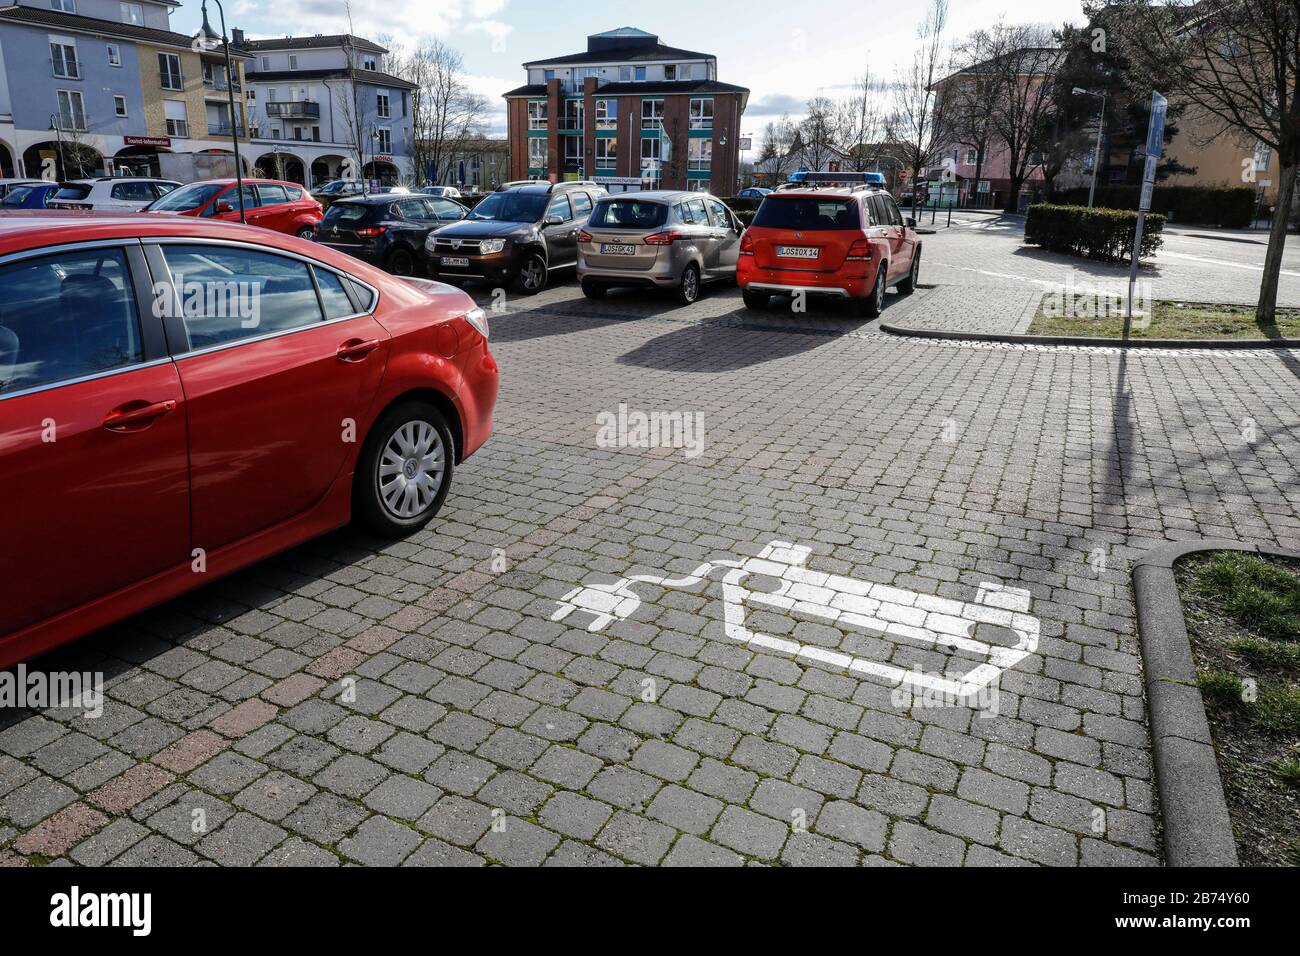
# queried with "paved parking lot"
point(356, 701)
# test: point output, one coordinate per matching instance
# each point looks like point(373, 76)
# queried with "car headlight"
point(429, 242)
point(478, 319)
point(491, 247)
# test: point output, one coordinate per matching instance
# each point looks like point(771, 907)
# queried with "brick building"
point(630, 113)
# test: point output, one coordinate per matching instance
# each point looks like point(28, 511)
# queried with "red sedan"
point(269, 203)
point(181, 398)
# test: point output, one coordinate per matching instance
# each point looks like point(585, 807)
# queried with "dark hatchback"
point(386, 230)
point(516, 236)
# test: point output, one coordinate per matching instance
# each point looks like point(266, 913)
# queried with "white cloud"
point(405, 18)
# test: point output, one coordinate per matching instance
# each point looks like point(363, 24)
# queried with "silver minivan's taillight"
point(478, 318)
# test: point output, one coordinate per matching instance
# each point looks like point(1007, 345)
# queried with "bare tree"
point(1020, 61)
point(817, 132)
point(916, 103)
point(348, 99)
point(971, 97)
point(445, 113)
point(776, 157)
point(863, 124)
point(1238, 63)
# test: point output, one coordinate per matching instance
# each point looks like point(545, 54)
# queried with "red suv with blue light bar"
point(837, 235)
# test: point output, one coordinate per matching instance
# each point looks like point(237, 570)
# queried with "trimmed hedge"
point(1104, 234)
point(1232, 207)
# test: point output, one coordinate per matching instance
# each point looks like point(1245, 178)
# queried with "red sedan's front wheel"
point(405, 469)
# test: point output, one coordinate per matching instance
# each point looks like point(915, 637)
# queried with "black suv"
point(515, 236)
point(386, 230)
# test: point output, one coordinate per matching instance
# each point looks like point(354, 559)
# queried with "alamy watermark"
point(1100, 301)
point(630, 428)
point(209, 299)
point(38, 690)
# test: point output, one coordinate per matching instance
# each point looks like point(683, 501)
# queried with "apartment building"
point(631, 113)
point(323, 107)
point(89, 87)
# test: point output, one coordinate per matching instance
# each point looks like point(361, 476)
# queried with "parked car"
point(665, 240)
point(443, 192)
point(339, 189)
point(849, 242)
point(387, 231)
point(109, 193)
point(388, 191)
point(28, 196)
point(8, 184)
point(189, 429)
point(269, 203)
point(753, 192)
point(516, 236)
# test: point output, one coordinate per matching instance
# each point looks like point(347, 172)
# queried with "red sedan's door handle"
point(126, 417)
point(354, 350)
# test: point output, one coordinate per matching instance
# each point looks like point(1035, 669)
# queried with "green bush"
point(1232, 207)
point(746, 216)
point(1104, 234)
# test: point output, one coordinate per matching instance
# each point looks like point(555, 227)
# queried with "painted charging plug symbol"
point(848, 603)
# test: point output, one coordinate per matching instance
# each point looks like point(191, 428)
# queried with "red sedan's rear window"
point(808, 214)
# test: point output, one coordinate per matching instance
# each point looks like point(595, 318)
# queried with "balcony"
point(224, 129)
point(217, 83)
point(296, 109)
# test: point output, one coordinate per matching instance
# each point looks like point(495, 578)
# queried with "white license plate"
point(797, 252)
point(455, 261)
point(616, 249)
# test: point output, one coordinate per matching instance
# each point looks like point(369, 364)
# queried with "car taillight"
point(746, 245)
point(369, 232)
point(663, 238)
point(859, 251)
point(584, 235)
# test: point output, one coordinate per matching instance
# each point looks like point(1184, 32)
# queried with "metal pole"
point(1133, 271)
point(230, 97)
point(1096, 156)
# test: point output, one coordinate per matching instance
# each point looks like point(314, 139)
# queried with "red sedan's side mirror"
point(224, 207)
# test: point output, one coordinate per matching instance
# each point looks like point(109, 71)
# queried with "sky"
point(783, 51)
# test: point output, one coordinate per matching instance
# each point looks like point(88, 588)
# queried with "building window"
point(119, 105)
point(573, 151)
point(631, 74)
point(606, 114)
point(699, 154)
point(114, 55)
point(571, 121)
point(384, 139)
point(266, 63)
point(132, 13)
point(64, 6)
point(607, 153)
point(293, 61)
point(169, 71)
point(670, 72)
point(177, 122)
point(371, 64)
point(63, 58)
point(548, 75)
point(537, 114)
point(702, 114)
point(698, 185)
point(1263, 156)
point(537, 152)
point(652, 114)
point(385, 108)
point(72, 112)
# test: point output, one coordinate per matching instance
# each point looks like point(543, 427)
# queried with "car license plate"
point(797, 252)
point(616, 249)
point(455, 262)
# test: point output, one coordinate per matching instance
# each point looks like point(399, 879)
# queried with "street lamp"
point(210, 41)
point(58, 144)
point(1096, 156)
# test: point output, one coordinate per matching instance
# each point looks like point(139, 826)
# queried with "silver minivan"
point(660, 239)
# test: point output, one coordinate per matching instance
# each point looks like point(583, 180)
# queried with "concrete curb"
point(1198, 830)
point(1091, 341)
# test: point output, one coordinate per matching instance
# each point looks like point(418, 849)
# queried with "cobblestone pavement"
point(358, 701)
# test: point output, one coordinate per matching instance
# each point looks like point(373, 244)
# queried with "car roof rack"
point(855, 181)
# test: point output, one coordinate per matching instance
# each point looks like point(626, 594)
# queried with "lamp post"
point(210, 40)
point(1101, 124)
